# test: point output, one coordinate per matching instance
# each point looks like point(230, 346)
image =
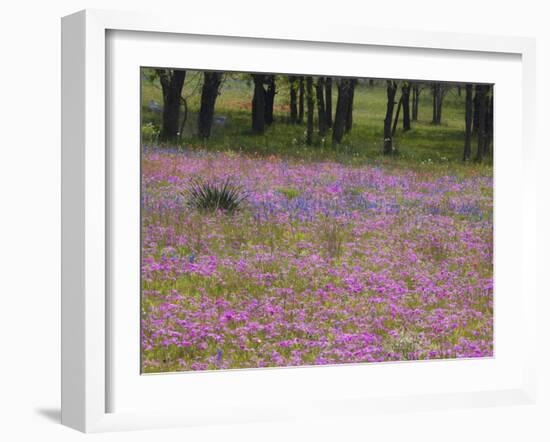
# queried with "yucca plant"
point(211, 196)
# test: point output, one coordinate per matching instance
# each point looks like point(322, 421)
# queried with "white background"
point(30, 215)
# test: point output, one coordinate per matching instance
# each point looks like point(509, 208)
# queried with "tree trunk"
point(320, 89)
point(342, 107)
point(416, 97)
point(269, 99)
point(397, 116)
point(258, 105)
point(434, 103)
point(468, 121)
point(413, 105)
point(328, 101)
point(437, 91)
point(405, 91)
point(209, 94)
point(476, 112)
point(489, 122)
point(300, 100)
point(293, 100)
point(349, 112)
point(309, 92)
point(481, 93)
point(171, 81)
point(439, 103)
point(391, 89)
point(184, 118)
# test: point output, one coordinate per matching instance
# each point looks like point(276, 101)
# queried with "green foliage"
point(211, 196)
point(149, 132)
point(289, 192)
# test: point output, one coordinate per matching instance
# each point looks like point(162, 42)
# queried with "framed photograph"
point(272, 223)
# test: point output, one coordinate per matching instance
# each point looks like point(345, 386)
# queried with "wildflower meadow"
point(295, 220)
point(325, 263)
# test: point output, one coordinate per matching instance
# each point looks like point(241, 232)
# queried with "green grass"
point(289, 192)
point(425, 143)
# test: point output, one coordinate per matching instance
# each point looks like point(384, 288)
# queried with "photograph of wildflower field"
point(291, 220)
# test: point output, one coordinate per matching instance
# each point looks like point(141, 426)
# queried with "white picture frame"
point(86, 310)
